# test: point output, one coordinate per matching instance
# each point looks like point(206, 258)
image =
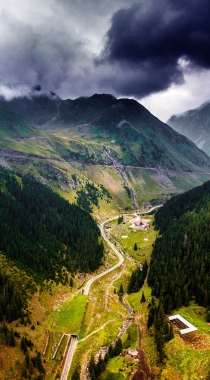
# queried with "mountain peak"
point(194, 124)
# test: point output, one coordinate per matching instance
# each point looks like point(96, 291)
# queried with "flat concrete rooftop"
point(189, 327)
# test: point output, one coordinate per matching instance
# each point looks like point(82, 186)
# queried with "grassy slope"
point(13, 126)
point(186, 357)
point(43, 303)
point(65, 150)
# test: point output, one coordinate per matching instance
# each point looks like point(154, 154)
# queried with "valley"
point(100, 315)
point(96, 246)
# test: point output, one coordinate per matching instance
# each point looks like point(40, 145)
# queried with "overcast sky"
point(156, 51)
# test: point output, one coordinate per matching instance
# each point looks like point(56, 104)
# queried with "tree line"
point(96, 368)
point(180, 264)
point(42, 231)
point(11, 301)
point(137, 278)
point(32, 366)
point(159, 327)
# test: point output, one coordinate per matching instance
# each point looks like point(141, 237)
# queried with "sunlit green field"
point(128, 236)
point(68, 317)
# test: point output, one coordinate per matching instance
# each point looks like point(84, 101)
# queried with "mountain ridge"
point(194, 124)
point(116, 143)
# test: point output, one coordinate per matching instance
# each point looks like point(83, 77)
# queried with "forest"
point(11, 301)
point(42, 233)
point(180, 264)
point(137, 278)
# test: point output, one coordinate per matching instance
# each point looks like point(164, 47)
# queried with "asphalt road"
point(121, 259)
point(69, 357)
point(74, 338)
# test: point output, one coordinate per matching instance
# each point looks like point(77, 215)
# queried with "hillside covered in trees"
point(180, 265)
point(42, 232)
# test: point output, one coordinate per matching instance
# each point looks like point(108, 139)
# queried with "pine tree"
point(170, 334)
point(118, 347)
point(100, 367)
point(23, 346)
point(11, 338)
point(151, 316)
point(76, 373)
point(121, 291)
point(120, 219)
point(91, 364)
point(143, 299)
point(111, 352)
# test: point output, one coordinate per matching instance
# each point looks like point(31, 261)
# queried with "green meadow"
point(68, 318)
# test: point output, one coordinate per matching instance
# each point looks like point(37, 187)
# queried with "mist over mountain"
point(194, 124)
point(36, 104)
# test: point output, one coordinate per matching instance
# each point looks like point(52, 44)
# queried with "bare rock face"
point(194, 124)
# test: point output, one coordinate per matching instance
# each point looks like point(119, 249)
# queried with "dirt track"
point(143, 372)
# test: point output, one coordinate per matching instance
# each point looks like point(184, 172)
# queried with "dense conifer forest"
point(137, 278)
point(11, 301)
point(180, 265)
point(42, 232)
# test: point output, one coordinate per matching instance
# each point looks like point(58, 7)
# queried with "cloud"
point(33, 55)
point(10, 92)
point(77, 48)
point(53, 43)
point(147, 40)
point(177, 99)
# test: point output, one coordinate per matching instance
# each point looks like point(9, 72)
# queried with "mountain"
point(134, 135)
point(40, 106)
point(113, 151)
point(179, 268)
point(42, 232)
point(19, 137)
point(13, 126)
point(194, 124)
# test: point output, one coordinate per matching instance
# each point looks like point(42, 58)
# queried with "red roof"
point(138, 223)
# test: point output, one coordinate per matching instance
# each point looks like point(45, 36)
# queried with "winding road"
point(121, 259)
point(86, 289)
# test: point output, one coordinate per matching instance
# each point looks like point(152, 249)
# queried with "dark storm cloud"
point(36, 55)
point(147, 40)
point(57, 44)
point(41, 45)
point(53, 44)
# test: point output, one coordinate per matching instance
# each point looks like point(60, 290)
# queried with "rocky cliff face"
point(194, 124)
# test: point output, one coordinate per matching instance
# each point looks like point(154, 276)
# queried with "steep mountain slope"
point(180, 269)
point(13, 126)
point(42, 231)
point(194, 124)
point(39, 107)
point(113, 145)
point(19, 137)
point(135, 137)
